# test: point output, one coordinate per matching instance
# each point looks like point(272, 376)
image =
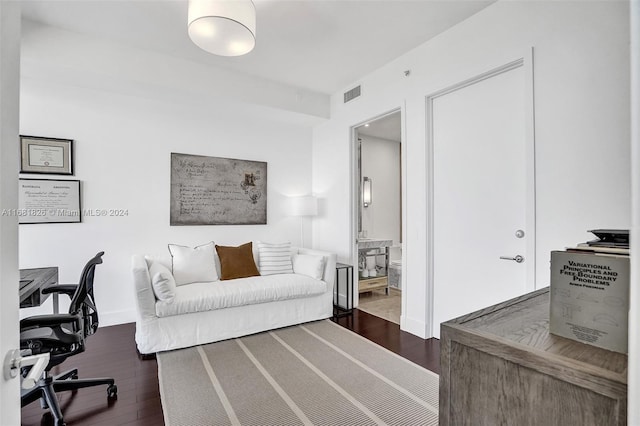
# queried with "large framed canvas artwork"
point(217, 191)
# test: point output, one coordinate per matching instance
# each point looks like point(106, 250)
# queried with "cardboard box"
point(590, 298)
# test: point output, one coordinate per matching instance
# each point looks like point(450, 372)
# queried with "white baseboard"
point(116, 317)
point(417, 328)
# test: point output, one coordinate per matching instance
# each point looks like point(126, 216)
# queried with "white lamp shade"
point(223, 27)
point(304, 206)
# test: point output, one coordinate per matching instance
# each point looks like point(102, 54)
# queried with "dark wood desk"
point(32, 281)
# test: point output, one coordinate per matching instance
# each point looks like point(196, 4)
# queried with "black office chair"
point(62, 336)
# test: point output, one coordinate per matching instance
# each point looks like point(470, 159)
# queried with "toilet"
point(395, 267)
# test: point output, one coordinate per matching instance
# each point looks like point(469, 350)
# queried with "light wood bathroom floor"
point(379, 304)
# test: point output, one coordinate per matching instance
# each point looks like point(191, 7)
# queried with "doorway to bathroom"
point(378, 226)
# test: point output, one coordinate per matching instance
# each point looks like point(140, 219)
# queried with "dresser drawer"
point(372, 284)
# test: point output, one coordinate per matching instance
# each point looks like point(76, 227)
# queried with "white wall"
point(381, 163)
point(122, 157)
point(581, 69)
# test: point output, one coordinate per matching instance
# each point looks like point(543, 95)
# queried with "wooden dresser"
point(500, 366)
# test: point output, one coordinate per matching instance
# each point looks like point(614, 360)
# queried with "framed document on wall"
point(48, 201)
point(46, 155)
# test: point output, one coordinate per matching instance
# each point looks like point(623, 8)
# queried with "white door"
point(480, 198)
point(9, 277)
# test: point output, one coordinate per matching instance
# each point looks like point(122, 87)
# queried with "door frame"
point(526, 62)
point(10, 13)
point(354, 195)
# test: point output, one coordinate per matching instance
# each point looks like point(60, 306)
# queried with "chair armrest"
point(68, 289)
point(60, 332)
point(48, 320)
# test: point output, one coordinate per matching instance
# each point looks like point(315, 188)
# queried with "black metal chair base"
point(46, 388)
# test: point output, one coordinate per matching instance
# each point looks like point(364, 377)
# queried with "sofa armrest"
point(145, 299)
point(329, 275)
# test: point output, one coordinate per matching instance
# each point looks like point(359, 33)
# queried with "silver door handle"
point(517, 259)
point(13, 361)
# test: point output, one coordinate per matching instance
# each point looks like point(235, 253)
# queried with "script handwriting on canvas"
point(217, 191)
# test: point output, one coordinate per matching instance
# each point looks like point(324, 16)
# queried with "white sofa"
point(208, 312)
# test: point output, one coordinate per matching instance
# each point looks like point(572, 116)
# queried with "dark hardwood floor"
point(111, 352)
point(387, 334)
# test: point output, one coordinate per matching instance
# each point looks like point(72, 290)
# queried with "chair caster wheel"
point(112, 392)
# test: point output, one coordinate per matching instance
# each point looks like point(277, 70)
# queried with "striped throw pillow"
point(274, 258)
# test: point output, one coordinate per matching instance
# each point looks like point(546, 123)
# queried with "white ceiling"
point(387, 127)
point(318, 45)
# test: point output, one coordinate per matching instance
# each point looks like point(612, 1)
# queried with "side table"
point(344, 278)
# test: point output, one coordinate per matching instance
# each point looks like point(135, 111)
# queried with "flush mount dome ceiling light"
point(223, 27)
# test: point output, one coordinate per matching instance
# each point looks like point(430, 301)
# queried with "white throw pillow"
point(308, 264)
point(274, 258)
point(193, 265)
point(162, 282)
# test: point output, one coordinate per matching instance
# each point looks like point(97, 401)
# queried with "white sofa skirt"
point(179, 331)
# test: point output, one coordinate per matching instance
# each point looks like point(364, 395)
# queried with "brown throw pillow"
point(237, 262)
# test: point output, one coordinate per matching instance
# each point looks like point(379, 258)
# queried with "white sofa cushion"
point(309, 264)
point(191, 265)
point(207, 296)
point(162, 282)
point(274, 258)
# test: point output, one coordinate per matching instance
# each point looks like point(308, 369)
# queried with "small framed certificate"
point(47, 201)
point(46, 155)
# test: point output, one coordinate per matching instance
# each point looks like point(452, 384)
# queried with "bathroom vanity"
point(371, 274)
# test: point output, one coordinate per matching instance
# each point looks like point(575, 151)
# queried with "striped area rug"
point(313, 374)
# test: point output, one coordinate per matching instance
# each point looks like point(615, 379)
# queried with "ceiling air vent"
point(350, 95)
